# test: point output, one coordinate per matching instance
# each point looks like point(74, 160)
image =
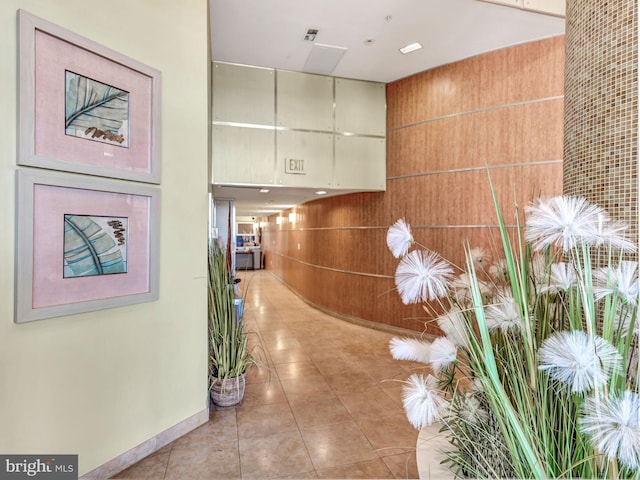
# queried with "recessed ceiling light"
point(412, 47)
point(321, 192)
point(264, 190)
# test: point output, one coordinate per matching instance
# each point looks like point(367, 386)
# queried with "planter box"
point(429, 447)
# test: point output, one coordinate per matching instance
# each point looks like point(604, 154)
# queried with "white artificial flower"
point(453, 324)
point(479, 257)
point(504, 314)
point(578, 359)
point(410, 349)
point(611, 234)
point(461, 286)
point(477, 386)
point(613, 427)
point(472, 411)
point(422, 276)
point(443, 353)
point(562, 221)
point(499, 271)
point(422, 401)
point(622, 280)
point(561, 278)
point(399, 238)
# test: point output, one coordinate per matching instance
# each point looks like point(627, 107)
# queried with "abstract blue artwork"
point(96, 111)
point(94, 245)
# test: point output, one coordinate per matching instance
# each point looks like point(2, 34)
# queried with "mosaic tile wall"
point(601, 106)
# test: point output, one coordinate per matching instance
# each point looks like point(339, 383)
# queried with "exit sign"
point(294, 166)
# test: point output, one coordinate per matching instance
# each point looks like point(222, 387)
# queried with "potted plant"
point(536, 375)
point(229, 351)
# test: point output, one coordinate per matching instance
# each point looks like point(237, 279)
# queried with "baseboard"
point(128, 458)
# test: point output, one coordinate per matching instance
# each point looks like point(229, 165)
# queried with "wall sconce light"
point(292, 217)
point(278, 220)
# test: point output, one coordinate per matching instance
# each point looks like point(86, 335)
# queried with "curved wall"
point(601, 115)
point(503, 109)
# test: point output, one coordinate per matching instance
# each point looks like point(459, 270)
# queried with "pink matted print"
point(51, 203)
point(85, 108)
point(53, 58)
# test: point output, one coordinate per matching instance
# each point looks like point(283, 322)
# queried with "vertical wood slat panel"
point(436, 180)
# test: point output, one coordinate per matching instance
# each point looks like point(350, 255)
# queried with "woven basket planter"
point(228, 392)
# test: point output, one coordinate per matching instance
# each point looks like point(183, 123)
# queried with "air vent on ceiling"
point(323, 59)
point(310, 36)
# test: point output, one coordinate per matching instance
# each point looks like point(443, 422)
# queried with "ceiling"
point(363, 37)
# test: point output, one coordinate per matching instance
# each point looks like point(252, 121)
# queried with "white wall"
point(98, 384)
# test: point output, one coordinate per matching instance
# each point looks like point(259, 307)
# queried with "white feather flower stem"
point(422, 400)
point(611, 234)
point(563, 221)
point(472, 411)
point(453, 324)
point(399, 238)
point(561, 278)
point(412, 349)
point(613, 427)
point(622, 280)
point(461, 286)
point(443, 353)
point(480, 257)
point(422, 275)
point(579, 360)
point(504, 315)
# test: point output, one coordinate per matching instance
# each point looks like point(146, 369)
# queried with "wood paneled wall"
point(502, 110)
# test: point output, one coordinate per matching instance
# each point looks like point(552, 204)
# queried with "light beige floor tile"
point(323, 409)
point(261, 420)
point(403, 465)
point(390, 435)
point(274, 334)
point(279, 342)
point(263, 393)
point(262, 373)
point(219, 461)
point(300, 476)
point(152, 467)
point(393, 389)
point(370, 469)
point(274, 456)
point(337, 444)
point(296, 370)
point(350, 382)
point(219, 430)
point(305, 388)
point(289, 355)
point(370, 404)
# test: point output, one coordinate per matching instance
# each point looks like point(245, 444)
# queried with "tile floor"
point(326, 407)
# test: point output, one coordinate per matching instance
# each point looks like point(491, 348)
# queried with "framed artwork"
point(85, 108)
point(83, 244)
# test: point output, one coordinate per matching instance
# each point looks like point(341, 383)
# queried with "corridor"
point(326, 407)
